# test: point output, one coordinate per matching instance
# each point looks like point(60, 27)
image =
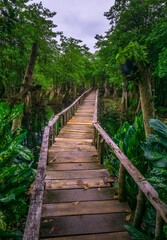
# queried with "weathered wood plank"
point(76, 183)
point(76, 135)
point(73, 140)
point(84, 224)
point(73, 154)
point(72, 159)
point(81, 208)
point(67, 147)
point(105, 236)
point(74, 195)
point(73, 166)
point(99, 173)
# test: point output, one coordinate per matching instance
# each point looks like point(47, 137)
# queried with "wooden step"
point(105, 236)
point(83, 224)
point(74, 195)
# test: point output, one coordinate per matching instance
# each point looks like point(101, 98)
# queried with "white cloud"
point(81, 19)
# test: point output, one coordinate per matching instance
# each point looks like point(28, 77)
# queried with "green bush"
point(16, 173)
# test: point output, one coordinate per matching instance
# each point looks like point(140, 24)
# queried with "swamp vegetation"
point(40, 75)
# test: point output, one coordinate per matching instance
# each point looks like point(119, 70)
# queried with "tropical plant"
point(16, 173)
point(155, 151)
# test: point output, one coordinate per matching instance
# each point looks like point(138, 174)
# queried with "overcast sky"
point(80, 19)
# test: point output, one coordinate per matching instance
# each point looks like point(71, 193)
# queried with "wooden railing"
point(101, 138)
point(31, 231)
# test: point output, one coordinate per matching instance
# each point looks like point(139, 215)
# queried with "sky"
point(80, 19)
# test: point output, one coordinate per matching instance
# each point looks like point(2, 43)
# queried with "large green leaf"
point(16, 112)
point(159, 127)
point(4, 110)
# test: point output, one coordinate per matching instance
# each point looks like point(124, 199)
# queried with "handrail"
point(52, 121)
point(100, 137)
point(32, 227)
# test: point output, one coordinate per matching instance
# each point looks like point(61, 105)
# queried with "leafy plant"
point(16, 173)
point(136, 234)
point(155, 151)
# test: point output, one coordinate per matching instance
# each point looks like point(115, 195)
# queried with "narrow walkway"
point(78, 201)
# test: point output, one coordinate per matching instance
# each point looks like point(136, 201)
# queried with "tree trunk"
point(24, 94)
point(124, 102)
point(148, 113)
point(106, 91)
point(146, 99)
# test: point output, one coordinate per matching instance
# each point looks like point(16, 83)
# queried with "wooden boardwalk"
point(79, 203)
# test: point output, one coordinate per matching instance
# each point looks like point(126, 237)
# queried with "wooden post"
point(121, 184)
point(139, 209)
point(159, 225)
point(100, 144)
point(62, 121)
point(94, 136)
point(53, 133)
point(101, 151)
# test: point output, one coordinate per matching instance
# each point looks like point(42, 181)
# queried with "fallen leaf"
point(115, 197)
point(75, 203)
point(128, 217)
point(52, 229)
point(86, 187)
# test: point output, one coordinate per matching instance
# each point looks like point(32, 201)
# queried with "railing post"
point(100, 145)
point(94, 136)
point(121, 184)
point(62, 121)
point(139, 209)
point(101, 151)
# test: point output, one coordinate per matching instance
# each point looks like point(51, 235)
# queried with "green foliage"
point(136, 234)
point(129, 138)
point(155, 151)
point(11, 148)
point(16, 174)
point(133, 51)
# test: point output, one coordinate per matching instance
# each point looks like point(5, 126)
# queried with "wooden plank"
point(99, 173)
point(82, 208)
point(80, 123)
point(74, 166)
point(74, 195)
point(84, 224)
point(76, 183)
point(67, 147)
point(105, 236)
point(76, 136)
point(73, 154)
point(78, 146)
point(78, 127)
point(69, 130)
point(72, 159)
point(73, 140)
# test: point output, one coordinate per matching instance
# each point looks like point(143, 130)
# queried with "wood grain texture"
point(105, 236)
point(83, 224)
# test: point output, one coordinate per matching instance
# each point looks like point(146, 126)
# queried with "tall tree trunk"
point(24, 95)
point(106, 91)
point(148, 113)
point(124, 101)
point(147, 104)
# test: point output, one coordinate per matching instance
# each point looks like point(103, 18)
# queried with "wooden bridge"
point(74, 197)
